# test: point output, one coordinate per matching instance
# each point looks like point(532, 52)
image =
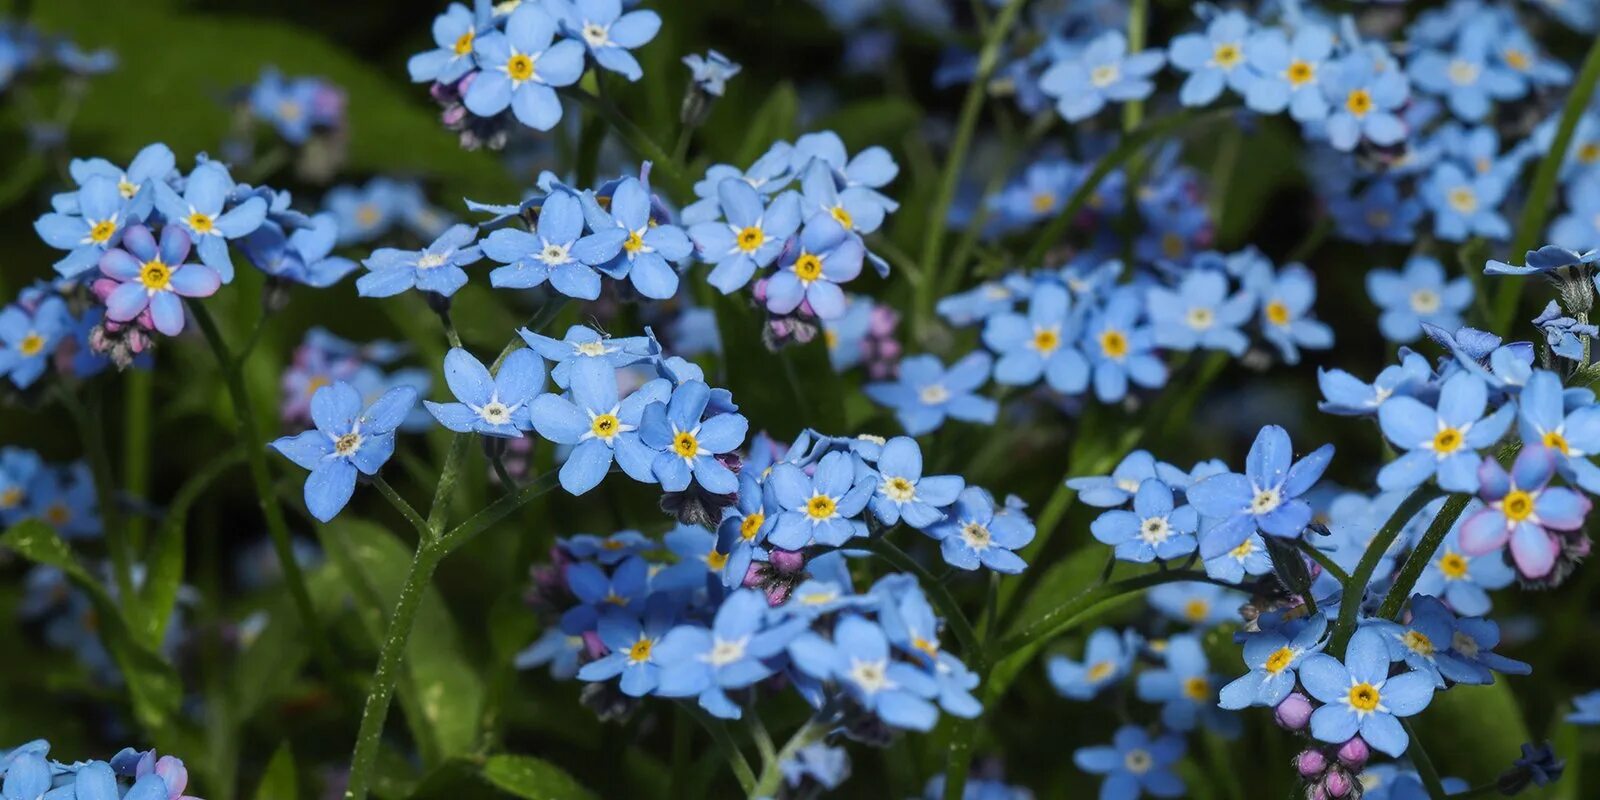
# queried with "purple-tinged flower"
point(154, 276)
point(1523, 509)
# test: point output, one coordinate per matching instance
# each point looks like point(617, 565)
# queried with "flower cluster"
point(29, 772)
point(62, 495)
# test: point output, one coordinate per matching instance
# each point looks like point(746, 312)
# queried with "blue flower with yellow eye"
point(749, 238)
point(1135, 764)
point(208, 215)
point(1465, 205)
point(436, 268)
point(1286, 314)
point(1214, 59)
point(632, 643)
point(974, 533)
point(649, 247)
point(820, 508)
point(608, 33)
point(1419, 293)
point(453, 32)
point(597, 425)
point(1199, 312)
point(926, 392)
point(1443, 440)
point(1273, 658)
point(1377, 213)
point(520, 68)
point(1040, 344)
point(101, 214)
point(1267, 497)
point(1107, 657)
point(904, 492)
point(688, 447)
point(1103, 72)
point(28, 339)
point(731, 654)
point(1156, 528)
point(1364, 100)
point(1289, 71)
point(347, 440)
point(598, 592)
point(1186, 688)
point(1121, 348)
point(827, 256)
point(1360, 696)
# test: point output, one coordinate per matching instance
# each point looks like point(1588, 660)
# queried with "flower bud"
point(1354, 753)
point(1294, 712)
point(1337, 784)
point(1310, 763)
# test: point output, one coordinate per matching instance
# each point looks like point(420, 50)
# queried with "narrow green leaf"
point(774, 120)
point(278, 783)
point(160, 590)
point(532, 779)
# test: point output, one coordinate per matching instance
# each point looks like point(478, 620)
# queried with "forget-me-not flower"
point(1107, 657)
point(687, 446)
point(102, 213)
point(904, 492)
point(1465, 205)
point(1364, 101)
point(346, 440)
point(1199, 312)
point(1443, 440)
point(1571, 437)
point(453, 32)
point(520, 67)
point(711, 71)
point(1135, 764)
point(751, 236)
point(697, 661)
point(1268, 496)
point(1103, 72)
point(1154, 529)
point(28, 339)
point(827, 256)
point(1273, 659)
point(1110, 491)
point(1120, 349)
point(1289, 71)
point(973, 533)
point(1214, 59)
point(632, 641)
point(153, 276)
point(556, 249)
point(1042, 343)
point(597, 425)
point(1359, 696)
point(492, 406)
point(608, 33)
point(1523, 509)
point(649, 248)
point(209, 216)
point(302, 256)
point(926, 392)
point(1285, 312)
point(436, 268)
point(820, 508)
point(1419, 293)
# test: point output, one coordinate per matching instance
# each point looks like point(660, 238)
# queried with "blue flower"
point(554, 647)
point(599, 593)
point(1135, 764)
point(769, 174)
point(1272, 659)
point(606, 549)
point(819, 509)
point(19, 472)
point(827, 256)
point(304, 256)
point(1289, 72)
point(1466, 78)
point(1249, 558)
point(1585, 709)
point(689, 447)
point(1198, 312)
point(858, 178)
point(1102, 72)
point(65, 498)
point(1551, 261)
point(897, 692)
point(904, 492)
point(453, 32)
point(1267, 497)
point(1120, 349)
point(346, 440)
point(1214, 59)
point(1185, 688)
point(1465, 205)
point(1153, 530)
point(492, 406)
point(1285, 311)
point(556, 249)
point(1196, 603)
point(711, 71)
point(436, 268)
point(1416, 295)
point(597, 426)
point(751, 237)
point(696, 661)
point(1572, 437)
point(649, 246)
point(1565, 335)
point(200, 211)
point(1378, 213)
point(581, 343)
point(632, 642)
point(295, 107)
point(1441, 441)
point(1039, 344)
point(29, 339)
point(1124, 481)
point(926, 393)
point(856, 208)
point(1364, 101)
point(520, 67)
point(1461, 579)
point(828, 766)
point(974, 533)
point(1359, 696)
point(28, 775)
point(609, 33)
point(100, 213)
point(152, 164)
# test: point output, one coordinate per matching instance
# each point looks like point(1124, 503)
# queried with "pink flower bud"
point(1337, 784)
point(1294, 712)
point(1354, 753)
point(787, 561)
point(1310, 763)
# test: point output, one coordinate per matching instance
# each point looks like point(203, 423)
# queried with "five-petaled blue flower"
point(453, 32)
point(827, 256)
point(1199, 312)
point(1134, 764)
point(346, 440)
point(697, 661)
point(649, 247)
point(904, 492)
point(201, 212)
point(926, 392)
point(1443, 440)
point(102, 213)
point(436, 268)
point(1572, 437)
point(303, 256)
point(1041, 343)
point(1154, 529)
point(493, 406)
point(28, 339)
point(897, 692)
point(556, 249)
point(689, 447)
point(1419, 293)
point(1272, 658)
point(1103, 72)
point(751, 236)
point(821, 508)
point(1214, 59)
point(598, 426)
point(1359, 696)
point(632, 642)
point(974, 533)
point(520, 66)
point(1266, 497)
point(609, 33)
point(1364, 101)
point(1289, 71)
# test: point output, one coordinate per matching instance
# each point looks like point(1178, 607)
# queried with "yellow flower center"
point(1046, 340)
point(1453, 565)
point(1358, 102)
point(820, 507)
point(685, 445)
point(1424, 301)
point(975, 535)
point(155, 275)
point(1589, 152)
point(830, 337)
point(1517, 506)
point(58, 515)
point(127, 188)
point(1447, 440)
point(1418, 642)
point(1114, 344)
point(1227, 55)
point(928, 647)
point(1197, 610)
point(1463, 200)
point(640, 651)
point(716, 560)
point(463, 44)
point(751, 525)
point(1042, 202)
point(31, 345)
point(808, 267)
point(1197, 689)
point(347, 444)
point(1101, 670)
point(750, 239)
point(605, 426)
point(367, 215)
point(1277, 313)
point(634, 243)
point(899, 489)
point(1300, 73)
point(1278, 661)
point(1517, 59)
point(841, 216)
point(201, 222)
point(11, 497)
point(1364, 697)
point(613, 544)
point(519, 67)
point(1555, 441)
point(1244, 549)
point(101, 231)
point(1172, 245)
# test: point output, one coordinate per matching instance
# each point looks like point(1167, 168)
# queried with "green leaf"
point(270, 663)
point(441, 692)
point(795, 386)
point(1496, 722)
point(152, 683)
point(278, 783)
point(532, 779)
point(160, 591)
point(773, 121)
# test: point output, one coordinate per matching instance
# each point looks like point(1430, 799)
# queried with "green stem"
point(1537, 207)
point(1356, 587)
point(137, 387)
point(255, 453)
point(1059, 619)
point(1323, 560)
point(939, 593)
point(1400, 592)
point(92, 434)
point(771, 771)
point(1138, 13)
point(966, 125)
point(402, 506)
point(719, 734)
point(1424, 765)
